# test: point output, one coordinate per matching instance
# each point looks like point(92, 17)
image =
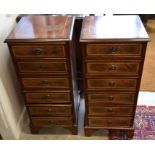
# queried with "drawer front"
point(51, 121)
point(110, 111)
point(111, 98)
point(113, 49)
point(48, 97)
point(50, 110)
point(110, 121)
point(38, 51)
point(43, 67)
point(45, 82)
point(112, 68)
point(111, 83)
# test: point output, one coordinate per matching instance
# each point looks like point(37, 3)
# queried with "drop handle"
point(44, 82)
point(110, 98)
point(37, 51)
point(42, 67)
point(47, 97)
point(114, 67)
point(110, 109)
point(111, 83)
point(50, 122)
point(114, 50)
point(49, 110)
point(109, 122)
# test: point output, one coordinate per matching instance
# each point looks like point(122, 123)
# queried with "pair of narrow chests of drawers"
point(45, 77)
point(109, 51)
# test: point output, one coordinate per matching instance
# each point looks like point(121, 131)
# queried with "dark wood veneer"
point(111, 97)
point(50, 110)
point(112, 67)
point(39, 51)
point(113, 51)
point(51, 82)
point(111, 84)
point(125, 50)
point(42, 49)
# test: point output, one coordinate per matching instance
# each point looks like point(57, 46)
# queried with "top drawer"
point(113, 49)
point(39, 51)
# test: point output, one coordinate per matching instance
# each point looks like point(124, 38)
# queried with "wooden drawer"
point(110, 121)
point(51, 110)
point(49, 97)
point(110, 111)
point(113, 98)
point(51, 121)
point(45, 82)
point(39, 51)
point(113, 49)
point(43, 67)
point(110, 83)
point(112, 68)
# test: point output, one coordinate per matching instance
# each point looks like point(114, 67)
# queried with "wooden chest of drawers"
point(42, 49)
point(113, 51)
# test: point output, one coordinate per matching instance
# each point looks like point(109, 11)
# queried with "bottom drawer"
point(110, 121)
point(51, 121)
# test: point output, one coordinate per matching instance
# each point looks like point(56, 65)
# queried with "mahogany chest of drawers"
point(113, 49)
point(42, 49)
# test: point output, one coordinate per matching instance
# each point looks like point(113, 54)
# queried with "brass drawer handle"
point(51, 121)
point(49, 110)
point(110, 98)
point(110, 109)
point(111, 83)
point(42, 67)
point(44, 82)
point(113, 67)
point(37, 52)
point(109, 122)
point(47, 97)
point(114, 50)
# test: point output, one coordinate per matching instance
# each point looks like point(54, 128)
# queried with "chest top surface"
point(42, 27)
point(113, 28)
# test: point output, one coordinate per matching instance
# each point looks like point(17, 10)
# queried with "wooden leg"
point(115, 134)
point(34, 129)
point(1, 137)
point(89, 131)
point(127, 134)
point(130, 134)
point(73, 130)
point(121, 134)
